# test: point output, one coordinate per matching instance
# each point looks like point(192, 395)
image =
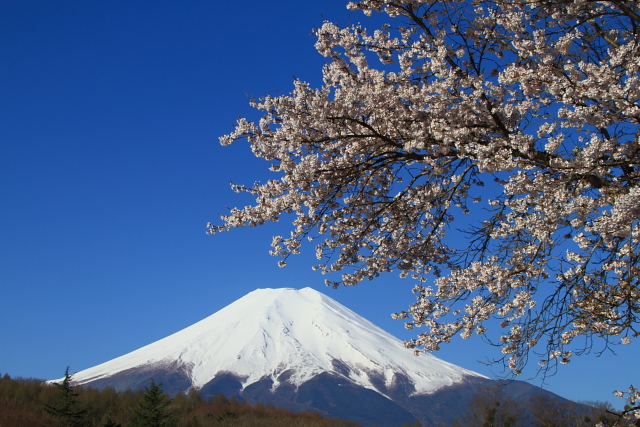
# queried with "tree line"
point(33, 403)
point(28, 402)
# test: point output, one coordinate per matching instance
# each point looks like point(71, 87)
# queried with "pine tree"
point(111, 423)
point(152, 409)
point(65, 412)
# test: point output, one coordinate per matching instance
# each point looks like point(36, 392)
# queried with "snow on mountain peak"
point(270, 331)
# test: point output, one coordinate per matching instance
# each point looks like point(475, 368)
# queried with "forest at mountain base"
point(24, 403)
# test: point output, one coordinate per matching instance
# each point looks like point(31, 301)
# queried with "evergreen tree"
point(153, 409)
point(65, 412)
point(111, 423)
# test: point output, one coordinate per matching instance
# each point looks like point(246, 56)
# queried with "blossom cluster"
point(630, 416)
point(525, 113)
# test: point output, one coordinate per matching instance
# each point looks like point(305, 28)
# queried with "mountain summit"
point(302, 350)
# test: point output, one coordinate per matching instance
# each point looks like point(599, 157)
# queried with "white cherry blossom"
point(523, 114)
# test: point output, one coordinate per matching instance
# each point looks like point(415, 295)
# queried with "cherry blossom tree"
point(488, 150)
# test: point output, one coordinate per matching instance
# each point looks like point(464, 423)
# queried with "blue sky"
point(110, 168)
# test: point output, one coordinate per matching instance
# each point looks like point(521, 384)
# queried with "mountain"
point(302, 350)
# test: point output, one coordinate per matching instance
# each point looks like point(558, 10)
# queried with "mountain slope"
point(301, 350)
point(272, 331)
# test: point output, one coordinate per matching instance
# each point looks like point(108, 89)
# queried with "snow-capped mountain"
point(270, 331)
point(299, 349)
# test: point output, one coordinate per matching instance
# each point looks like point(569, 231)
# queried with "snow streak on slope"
point(269, 331)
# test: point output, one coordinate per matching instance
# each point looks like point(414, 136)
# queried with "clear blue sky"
point(110, 168)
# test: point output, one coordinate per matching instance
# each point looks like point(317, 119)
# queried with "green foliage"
point(65, 411)
point(109, 422)
point(492, 418)
point(153, 409)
